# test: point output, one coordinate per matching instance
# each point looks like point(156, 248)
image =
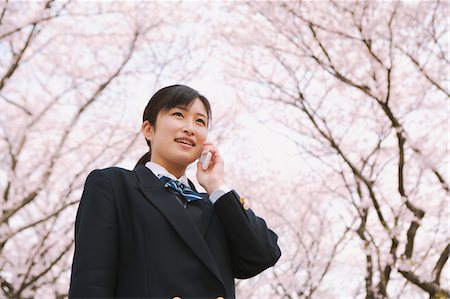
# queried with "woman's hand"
point(212, 177)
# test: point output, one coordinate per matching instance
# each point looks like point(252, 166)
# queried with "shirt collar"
point(160, 171)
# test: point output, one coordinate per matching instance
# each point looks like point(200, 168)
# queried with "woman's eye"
point(201, 121)
point(177, 114)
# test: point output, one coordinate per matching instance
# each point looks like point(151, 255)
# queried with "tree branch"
point(431, 288)
point(440, 263)
point(3, 11)
point(17, 57)
point(425, 73)
point(8, 214)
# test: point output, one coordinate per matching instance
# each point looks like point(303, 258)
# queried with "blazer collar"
point(154, 191)
point(149, 179)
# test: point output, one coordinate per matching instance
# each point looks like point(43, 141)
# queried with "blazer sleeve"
point(253, 246)
point(96, 241)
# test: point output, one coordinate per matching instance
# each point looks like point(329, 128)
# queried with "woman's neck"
point(174, 169)
point(177, 173)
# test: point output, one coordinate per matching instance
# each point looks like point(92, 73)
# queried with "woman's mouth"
point(186, 141)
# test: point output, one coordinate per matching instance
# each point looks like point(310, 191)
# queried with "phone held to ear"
point(205, 159)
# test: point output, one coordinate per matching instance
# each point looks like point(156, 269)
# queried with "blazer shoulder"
point(112, 173)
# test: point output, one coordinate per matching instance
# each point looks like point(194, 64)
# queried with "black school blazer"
point(133, 239)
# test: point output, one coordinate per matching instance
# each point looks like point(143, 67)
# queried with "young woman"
point(147, 233)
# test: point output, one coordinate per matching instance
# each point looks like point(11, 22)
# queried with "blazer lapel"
point(207, 208)
point(154, 191)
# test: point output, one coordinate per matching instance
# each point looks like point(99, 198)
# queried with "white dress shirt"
point(160, 171)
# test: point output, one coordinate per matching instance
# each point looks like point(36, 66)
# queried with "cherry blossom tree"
point(362, 89)
point(67, 107)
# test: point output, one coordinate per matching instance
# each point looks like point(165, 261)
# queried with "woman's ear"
point(148, 130)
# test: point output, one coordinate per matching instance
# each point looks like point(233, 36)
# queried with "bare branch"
point(25, 201)
point(440, 263)
point(44, 271)
point(17, 57)
point(35, 22)
point(425, 73)
point(3, 11)
point(431, 288)
point(20, 107)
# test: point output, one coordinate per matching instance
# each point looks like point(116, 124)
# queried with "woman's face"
point(178, 136)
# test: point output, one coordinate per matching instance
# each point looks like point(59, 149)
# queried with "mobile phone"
point(205, 159)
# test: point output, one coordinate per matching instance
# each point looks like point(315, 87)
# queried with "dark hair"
point(165, 99)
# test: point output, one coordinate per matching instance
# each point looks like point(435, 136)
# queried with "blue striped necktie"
point(188, 193)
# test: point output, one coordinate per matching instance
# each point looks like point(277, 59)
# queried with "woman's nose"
point(188, 128)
